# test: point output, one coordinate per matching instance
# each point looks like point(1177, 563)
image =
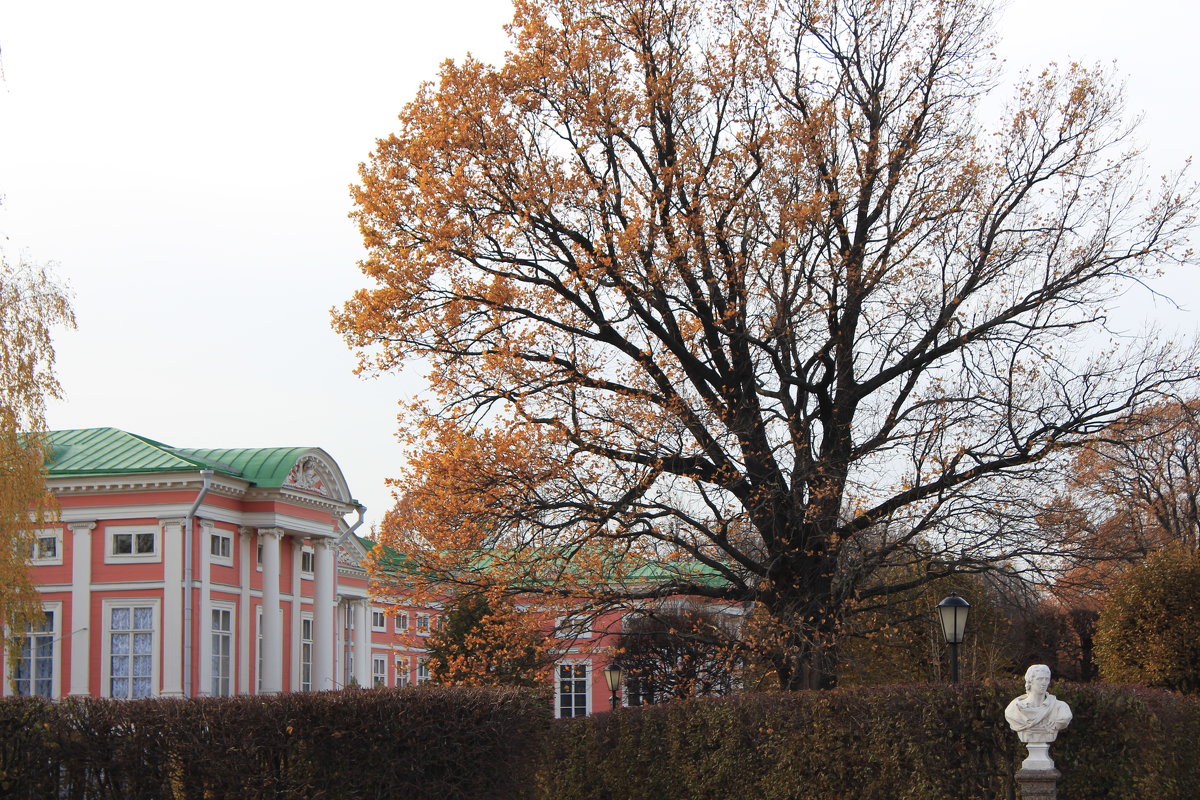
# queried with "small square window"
point(220, 546)
point(47, 547)
point(378, 620)
point(423, 624)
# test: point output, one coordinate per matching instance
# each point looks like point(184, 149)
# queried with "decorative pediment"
point(350, 553)
point(311, 474)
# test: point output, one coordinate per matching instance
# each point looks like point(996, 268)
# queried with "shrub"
point(1149, 629)
point(897, 743)
point(413, 743)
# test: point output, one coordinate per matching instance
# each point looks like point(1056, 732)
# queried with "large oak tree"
point(744, 291)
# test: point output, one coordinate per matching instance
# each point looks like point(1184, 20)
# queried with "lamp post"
point(612, 676)
point(953, 613)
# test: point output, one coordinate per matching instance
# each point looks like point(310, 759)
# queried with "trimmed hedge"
point(887, 743)
point(414, 743)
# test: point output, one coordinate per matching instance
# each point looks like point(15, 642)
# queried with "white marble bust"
point(1037, 716)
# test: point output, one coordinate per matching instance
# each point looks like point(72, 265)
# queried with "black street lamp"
point(953, 612)
point(612, 676)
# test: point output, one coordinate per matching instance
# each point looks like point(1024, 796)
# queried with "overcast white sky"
point(186, 167)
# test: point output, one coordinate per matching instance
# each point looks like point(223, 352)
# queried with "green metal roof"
point(110, 451)
point(262, 466)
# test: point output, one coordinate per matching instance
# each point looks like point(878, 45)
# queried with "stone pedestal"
point(1038, 784)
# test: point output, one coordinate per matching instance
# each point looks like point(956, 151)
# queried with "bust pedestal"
point(1038, 784)
point(1038, 759)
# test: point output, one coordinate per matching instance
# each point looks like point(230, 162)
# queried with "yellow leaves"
point(31, 304)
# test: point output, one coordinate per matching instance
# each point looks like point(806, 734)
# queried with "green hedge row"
point(430, 743)
point(888, 743)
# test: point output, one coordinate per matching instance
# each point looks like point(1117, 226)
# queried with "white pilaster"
point(81, 606)
point(171, 532)
point(246, 559)
point(205, 627)
point(325, 578)
point(362, 643)
point(272, 619)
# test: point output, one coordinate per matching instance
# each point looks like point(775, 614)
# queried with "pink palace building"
point(181, 572)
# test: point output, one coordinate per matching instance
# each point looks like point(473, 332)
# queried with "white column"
point(205, 626)
point(362, 644)
point(324, 600)
point(272, 619)
point(246, 559)
point(297, 549)
point(81, 606)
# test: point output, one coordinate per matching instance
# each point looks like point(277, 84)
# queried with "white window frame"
point(218, 534)
point(573, 626)
point(378, 620)
point(379, 670)
point(155, 641)
point(403, 672)
point(308, 553)
point(258, 639)
point(38, 537)
point(423, 675)
point(587, 687)
point(113, 531)
point(231, 677)
point(401, 622)
point(52, 607)
point(306, 649)
point(422, 626)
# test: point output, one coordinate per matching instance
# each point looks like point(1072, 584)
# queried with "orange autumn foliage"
point(735, 300)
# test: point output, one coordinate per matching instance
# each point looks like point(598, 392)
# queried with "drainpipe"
point(206, 476)
point(362, 512)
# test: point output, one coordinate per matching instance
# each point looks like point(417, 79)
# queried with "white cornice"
point(64, 485)
point(292, 524)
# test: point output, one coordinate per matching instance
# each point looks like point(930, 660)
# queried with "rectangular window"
point(33, 672)
point(402, 622)
point(129, 543)
point(379, 671)
point(573, 626)
point(422, 624)
point(47, 547)
point(572, 690)
point(306, 648)
point(423, 671)
point(378, 621)
point(402, 676)
point(308, 561)
point(131, 650)
point(222, 650)
point(220, 547)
